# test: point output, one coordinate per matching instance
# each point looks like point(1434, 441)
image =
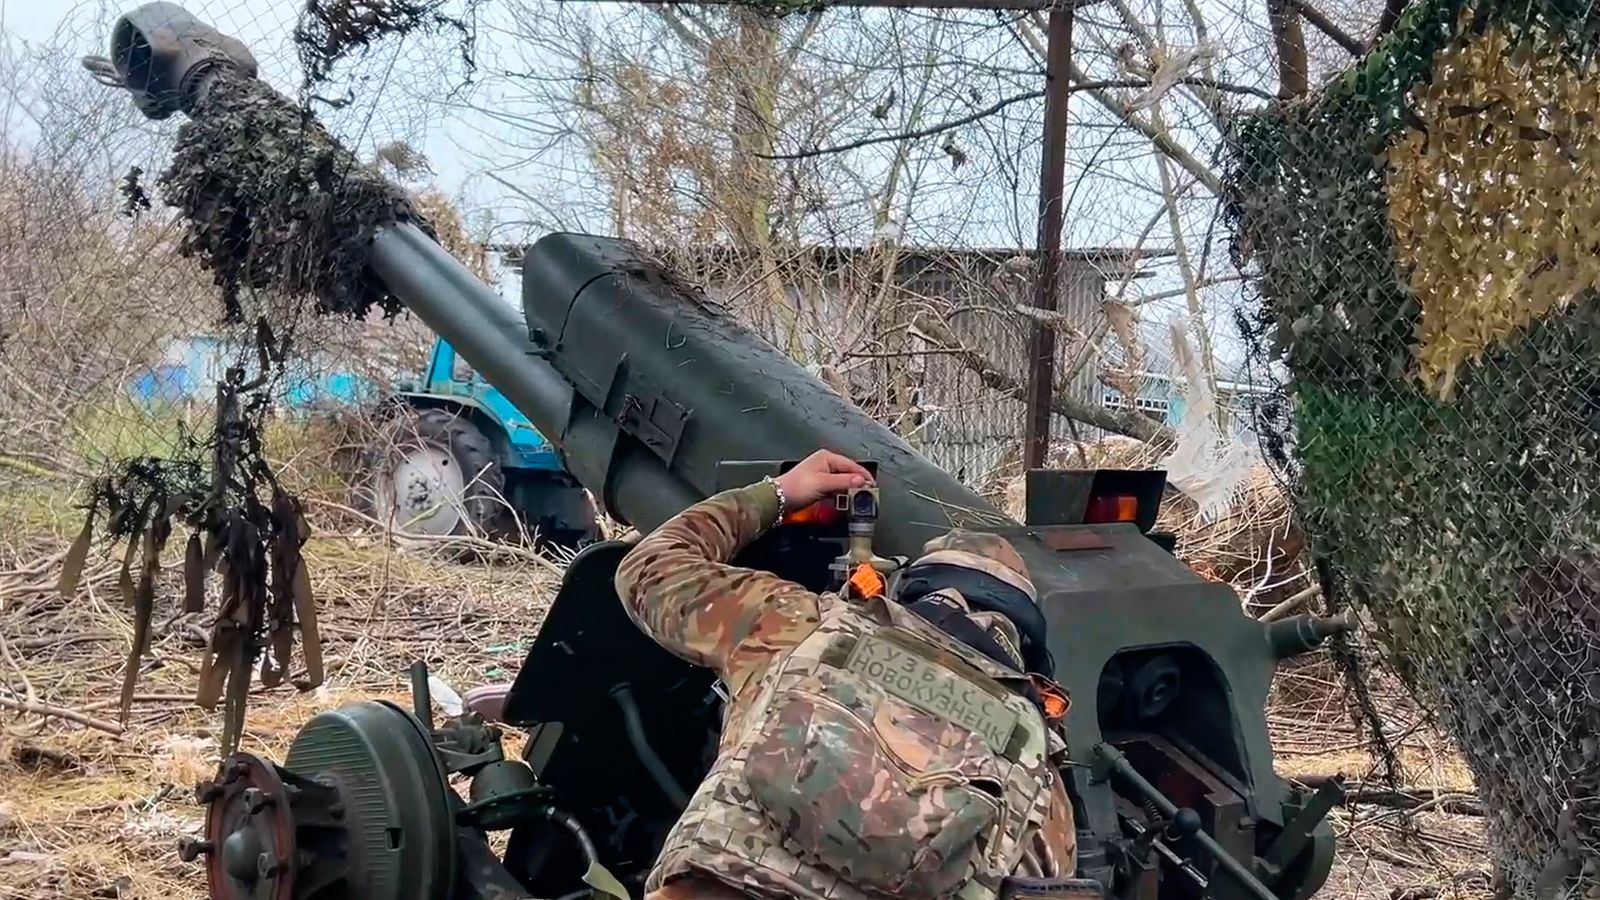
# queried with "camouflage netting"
point(334, 30)
point(1423, 236)
point(270, 201)
point(281, 215)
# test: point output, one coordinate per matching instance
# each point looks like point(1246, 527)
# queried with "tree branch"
point(1412, 799)
point(1028, 31)
point(1154, 45)
point(1289, 43)
point(1326, 26)
point(58, 712)
point(813, 19)
point(1191, 80)
point(1212, 102)
point(1144, 299)
point(670, 16)
point(1386, 22)
point(987, 111)
point(1130, 424)
point(1292, 604)
point(1161, 139)
point(918, 133)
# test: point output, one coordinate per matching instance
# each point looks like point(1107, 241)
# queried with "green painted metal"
point(646, 388)
point(399, 811)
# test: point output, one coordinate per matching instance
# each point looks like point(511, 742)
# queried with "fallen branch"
point(25, 467)
point(145, 699)
point(1430, 891)
point(1391, 857)
point(16, 666)
point(57, 712)
point(61, 640)
point(1291, 604)
point(444, 541)
point(1417, 799)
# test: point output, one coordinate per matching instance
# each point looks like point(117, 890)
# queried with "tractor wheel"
point(434, 473)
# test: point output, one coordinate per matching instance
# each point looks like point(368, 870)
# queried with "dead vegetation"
point(93, 304)
point(92, 808)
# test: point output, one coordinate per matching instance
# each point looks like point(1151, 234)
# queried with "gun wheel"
point(250, 834)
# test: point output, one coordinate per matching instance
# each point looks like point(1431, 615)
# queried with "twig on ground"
point(1291, 604)
point(1409, 799)
point(27, 686)
point(444, 541)
point(57, 712)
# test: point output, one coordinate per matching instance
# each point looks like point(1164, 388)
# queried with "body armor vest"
point(878, 759)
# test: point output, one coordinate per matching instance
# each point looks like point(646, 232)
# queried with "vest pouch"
point(889, 807)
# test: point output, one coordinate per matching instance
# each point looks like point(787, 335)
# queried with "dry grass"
point(1386, 852)
point(86, 814)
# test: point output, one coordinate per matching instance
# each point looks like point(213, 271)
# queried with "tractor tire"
point(433, 473)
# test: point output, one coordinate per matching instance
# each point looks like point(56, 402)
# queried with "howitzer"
point(656, 400)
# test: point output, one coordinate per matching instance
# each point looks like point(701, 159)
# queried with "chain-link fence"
point(1421, 236)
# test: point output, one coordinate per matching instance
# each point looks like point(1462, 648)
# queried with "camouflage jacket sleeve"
point(677, 585)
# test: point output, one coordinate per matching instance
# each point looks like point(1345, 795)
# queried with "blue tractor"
point(456, 457)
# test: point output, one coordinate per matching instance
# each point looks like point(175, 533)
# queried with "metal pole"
point(1052, 174)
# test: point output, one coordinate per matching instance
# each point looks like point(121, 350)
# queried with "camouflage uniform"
point(899, 762)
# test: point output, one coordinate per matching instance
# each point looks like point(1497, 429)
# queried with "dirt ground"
point(87, 813)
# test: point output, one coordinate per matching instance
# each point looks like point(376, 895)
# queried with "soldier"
point(871, 748)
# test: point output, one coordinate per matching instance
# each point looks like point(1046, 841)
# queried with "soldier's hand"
point(819, 475)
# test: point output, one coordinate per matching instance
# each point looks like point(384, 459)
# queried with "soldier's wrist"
point(772, 502)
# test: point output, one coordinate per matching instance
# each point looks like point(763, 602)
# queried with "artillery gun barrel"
point(676, 377)
point(627, 350)
point(489, 334)
point(473, 318)
point(762, 406)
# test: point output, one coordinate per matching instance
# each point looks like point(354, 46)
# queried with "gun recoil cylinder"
point(1304, 633)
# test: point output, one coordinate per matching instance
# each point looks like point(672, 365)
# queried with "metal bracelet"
point(783, 501)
